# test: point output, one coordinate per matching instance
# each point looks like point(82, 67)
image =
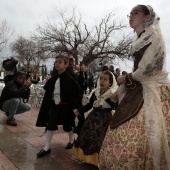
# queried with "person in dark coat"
point(91, 82)
point(10, 99)
point(111, 68)
point(83, 79)
point(71, 68)
point(61, 105)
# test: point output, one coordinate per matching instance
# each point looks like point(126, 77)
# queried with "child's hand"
point(114, 97)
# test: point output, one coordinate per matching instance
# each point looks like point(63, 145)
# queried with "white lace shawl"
point(152, 75)
point(101, 98)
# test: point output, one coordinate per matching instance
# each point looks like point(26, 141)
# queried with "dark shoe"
point(43, 153)
point(11, 122)
point(7, 114)
point(69, 145)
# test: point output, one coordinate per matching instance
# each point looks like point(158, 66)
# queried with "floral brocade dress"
point(127, 146)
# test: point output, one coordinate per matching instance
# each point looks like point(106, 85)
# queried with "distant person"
point(10, 100)
point(36, 79)
point(70, 69)
point(91, 82)
point(82, 79)
point(118, 72)
point(111, 68)
point(77, 68)
point(124, 73)
point(47, 78)
point(104, 68)
point(28, 75)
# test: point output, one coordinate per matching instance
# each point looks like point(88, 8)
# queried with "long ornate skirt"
point(92, 134)
point(126, 147)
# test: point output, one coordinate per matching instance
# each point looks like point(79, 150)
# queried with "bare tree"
point(29, 52)
point(5, 33)
point(72, 37)
point(40, 55)
point(66, 36)
point(103, 45)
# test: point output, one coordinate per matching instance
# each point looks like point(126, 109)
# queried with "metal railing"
point(36, 95)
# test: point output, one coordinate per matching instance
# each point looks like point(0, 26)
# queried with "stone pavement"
point(19, 146)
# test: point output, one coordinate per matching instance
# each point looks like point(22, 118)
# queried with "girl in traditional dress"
point(92, 134)
point(139, 132)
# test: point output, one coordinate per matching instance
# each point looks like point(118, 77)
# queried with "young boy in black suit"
point(60, 106)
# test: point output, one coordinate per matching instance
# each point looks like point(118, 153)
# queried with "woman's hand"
point(121, 79)
point(114, 97)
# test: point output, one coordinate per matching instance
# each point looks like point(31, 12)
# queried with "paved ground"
point(19, 146)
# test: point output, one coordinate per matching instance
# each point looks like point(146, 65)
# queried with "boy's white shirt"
point(57, 98)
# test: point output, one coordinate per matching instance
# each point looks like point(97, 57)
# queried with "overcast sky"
point(25, 15)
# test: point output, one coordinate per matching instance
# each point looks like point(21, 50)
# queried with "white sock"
point(71, 136)
point(49, 135)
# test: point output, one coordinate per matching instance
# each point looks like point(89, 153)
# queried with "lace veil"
point(152, 74)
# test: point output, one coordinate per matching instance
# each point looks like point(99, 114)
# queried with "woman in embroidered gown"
point(138, 135)
point(92, 134)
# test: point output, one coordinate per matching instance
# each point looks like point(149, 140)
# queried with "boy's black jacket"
point(69, 90)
